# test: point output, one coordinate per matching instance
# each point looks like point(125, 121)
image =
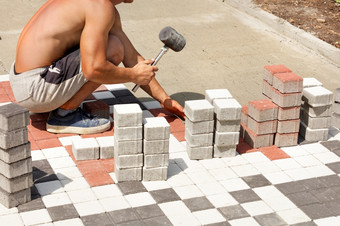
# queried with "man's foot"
point(78, 122)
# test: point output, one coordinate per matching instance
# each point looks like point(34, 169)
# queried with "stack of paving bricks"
point(315, 111)
point(128, 142)
point(336, 109)
point(199, 128)
point(15, 156)
point(227, 114)
point(156, 148)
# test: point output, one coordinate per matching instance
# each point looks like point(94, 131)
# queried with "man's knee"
point(115, 50)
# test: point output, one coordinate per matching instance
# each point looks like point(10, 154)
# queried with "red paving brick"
point(48, 143)
point(274, 153)
point(109, 164)
point(160, 112)
point(180, 136)
point(243, 147)
point(94, 173)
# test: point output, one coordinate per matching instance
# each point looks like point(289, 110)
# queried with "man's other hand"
point(173, 107)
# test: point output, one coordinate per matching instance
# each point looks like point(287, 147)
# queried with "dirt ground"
point(321, 18)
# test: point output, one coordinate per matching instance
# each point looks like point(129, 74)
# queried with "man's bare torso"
point(52, 31)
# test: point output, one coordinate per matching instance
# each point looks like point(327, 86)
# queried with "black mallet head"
point(172, 39)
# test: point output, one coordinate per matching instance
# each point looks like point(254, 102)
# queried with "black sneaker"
point(78, 122)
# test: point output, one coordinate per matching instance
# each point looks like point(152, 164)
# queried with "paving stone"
point(313, 134)
point(335, 166)
point(264, 127)
point(64, 212)
point(244, 114)
point(197, 153)
point(227, 126)
point(13, 116)
point(312, 184)
point(199, 127)
point(322, 111)
point(316, 211)
point(106, 147)
point(156, 128)
point(130, 174)
point(227, 109)
point(270, 219)
point(128, 133)
point(149, 211)
point(97, 219)
point(267, 89)
point(226, 138)
point(303, 198)
point(199, 110)
point(257, 141)
point(286, 139)
point(164, 195)
point(212, 94)
point(128, 161)
point(125, 215)
point(155, 147)
point(156, 160)
point(288, 113)
point(286, 99)
point(233, 212)
point(128, 188)
point(16, 169)
point(155, 174)
point(85, 149)
point(243, 196)
point(256, 181)
point(10, 139)
point(224, 151)
point(10, 200)
point(262, 110)
point(288, 82)
point(337, 95)
point(288, 126)
point(17, 183)
point(34, 204)
point(291, 187)
point(128, 147)
point(317, 96)
point(334, 206)
point(315, 122)
point(42, 171)
point(336, 108)
point(126, 115)
point(271, 70)
point(160, 220)
point(16, 153)
point(311, 82)
point(330, 181)
point(325, 194)
point(197, 204)
point(198, 140)
point(335, 121)
point(97, 108)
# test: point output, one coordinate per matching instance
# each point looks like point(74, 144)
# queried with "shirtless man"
point(67, 50)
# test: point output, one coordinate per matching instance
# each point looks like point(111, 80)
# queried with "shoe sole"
point(78, 130)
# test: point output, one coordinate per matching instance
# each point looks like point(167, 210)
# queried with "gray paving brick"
point(16, 169)
point(233, 212)
point(330, 181)
point(85, 149)
point(160, 220)
point(286, 139)
point(322, 111)
point(335, 166)
point(317, 96)
point(164, 195)
point(334, 207)
point(102, 219)
point(335, 121)
point(263, 127)
point(316, 211)
point(156, 128)
point(315, 122)
point(337, 95)
point(227, 126)
point(155, 174)
point(128, 133)
point(16, 153)
point(288, 113)
point(199, 140)
point(149, 211)
point(288, 126)
point(291, 187)
point(10, 200)
point(198, 153)
point(286, 99)
point(243, 196)
point(227, 109)
point(34, 204)
point(132, 187)
point(226, 138)
point(128, 147)
point(128, 161)
point(64, 212)
point(155, 147)
point(212, 94)
point(199, 110)
point(125, 215)
point(199, 127)
point(197, 204)
point(331, 145)
point(10, 139)
point(313, 134)
point(270, 219)
point(325, 194)
point(256, 181)
point(126, 115)
point(303, 198)
point(336, 108)
point(13, 116)
point(224, 151)
point(130, 174)
point(17, 183)
point(156, 160)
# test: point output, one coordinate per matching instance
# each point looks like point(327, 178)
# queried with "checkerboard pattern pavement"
point(297, 185)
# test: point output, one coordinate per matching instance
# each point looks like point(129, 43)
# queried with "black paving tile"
point(164, 195)
point(325, 194)
point(35, 204)
point(233, 212)
point(149, 211)
point(110, 101)
point(196, 204)
point(303, 198)
point(121, 92)
point(269, 219)
point(155, 221)
point(97, 219)
point(331, 145)
point(330, 181)
point(132, 187)
point(243, 196)
point(122, 216)
point(256, 181)
point(334, 206)
point(316, 211)
point(312, 184)
point(64, 212)
point(335, 167)
point(290, 187)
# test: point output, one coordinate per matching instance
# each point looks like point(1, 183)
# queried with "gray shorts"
point(47, 88)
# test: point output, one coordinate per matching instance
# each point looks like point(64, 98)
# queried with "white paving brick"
point(213, 94)
point(293, 216)
point(55, 152)
point(106, 191)
point(244, 221)
point(106, 147)
point(36, 217)
point(58, 199)
point(327, 157)
point(311, 82)
point(277, 177)
point(126, 115)
point(114, 203)
point(227, 109)
point(209, 216)
point(156, 128)
point(11, 219)
point(286, 164)
point(140, 199)
point(245, 170)
point(235, 184)
point(82, 195)
point(317, 96)
point(85, 149)
point(222, 200)
point(257, 208)
point(89, 208)
point(188, 191)
point(199, 110)
point(307, 160)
